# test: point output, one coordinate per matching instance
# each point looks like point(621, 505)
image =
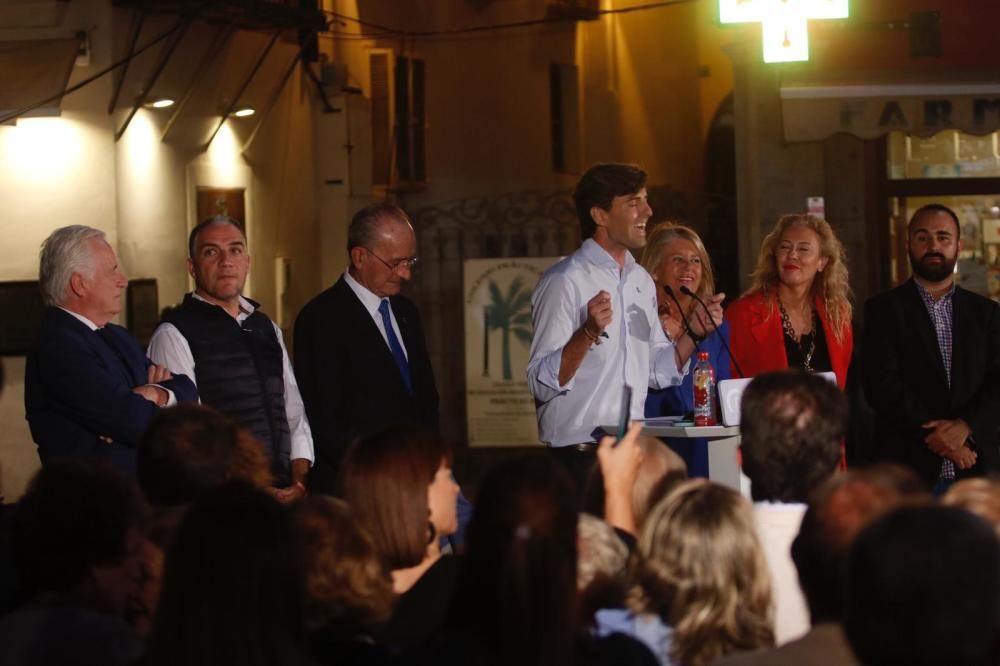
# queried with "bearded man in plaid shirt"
point(931, 362)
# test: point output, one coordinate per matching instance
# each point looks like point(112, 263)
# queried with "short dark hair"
point(364, 224)
point(844, 506)
point(923, 589)
point(792, 425)
point(189, 449)
point(599, 187)
point(74, 516)
point(933, 208)
point(215, 219)
point(384, 477)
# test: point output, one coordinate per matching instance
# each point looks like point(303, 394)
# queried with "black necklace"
point(786, 324)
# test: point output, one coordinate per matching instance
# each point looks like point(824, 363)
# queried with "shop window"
point(947, 154)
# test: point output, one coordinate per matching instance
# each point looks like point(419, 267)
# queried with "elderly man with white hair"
point(89, 389)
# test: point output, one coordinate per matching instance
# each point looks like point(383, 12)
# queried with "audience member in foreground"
point(980, 496)
point(232, 587)
point(76, 540)
point(792, 426)
point(348, 589)
point(701, 570)
point(89, 390)
point(661, 468)
point(190, 449)
point(399, 485)
point(923, 585)
point(841, 509)
point(516, 599)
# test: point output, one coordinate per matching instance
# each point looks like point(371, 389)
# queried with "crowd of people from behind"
point(306, 512)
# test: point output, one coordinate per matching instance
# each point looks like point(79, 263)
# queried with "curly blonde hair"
point(701, 568)
point(668, 231)
point(831, 284)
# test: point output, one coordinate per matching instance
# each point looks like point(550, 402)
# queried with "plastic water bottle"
point(704, 391)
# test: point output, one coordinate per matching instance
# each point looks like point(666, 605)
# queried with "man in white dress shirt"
point(596, 325)
point(235, 354)
point(792, 424)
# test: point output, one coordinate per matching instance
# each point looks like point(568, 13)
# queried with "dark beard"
point(930, 272)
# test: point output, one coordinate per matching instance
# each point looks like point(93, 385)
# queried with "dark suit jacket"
point(905, 381)
point(824, 645)
point(77, 389)
point(349, 380)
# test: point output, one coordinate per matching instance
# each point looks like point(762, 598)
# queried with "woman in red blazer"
point(798, 311)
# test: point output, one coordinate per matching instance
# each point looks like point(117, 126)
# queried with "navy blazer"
point(905, 381)
point(349, 380)
point(78, 389)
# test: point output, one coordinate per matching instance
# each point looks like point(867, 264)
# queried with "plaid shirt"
point(940, 312)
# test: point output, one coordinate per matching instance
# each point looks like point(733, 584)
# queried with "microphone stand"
point(688, 292)
point(670, 293)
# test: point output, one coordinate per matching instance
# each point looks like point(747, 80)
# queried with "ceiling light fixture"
point(244, 111)
point(159, 103)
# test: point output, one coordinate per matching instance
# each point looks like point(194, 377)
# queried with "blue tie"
point(397, 349)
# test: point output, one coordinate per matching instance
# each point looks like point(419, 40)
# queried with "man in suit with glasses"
point(360, 354)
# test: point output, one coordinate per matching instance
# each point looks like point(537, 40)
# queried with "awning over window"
point(34, 70)
point(812, 113)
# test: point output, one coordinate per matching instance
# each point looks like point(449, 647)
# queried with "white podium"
point(723, 445)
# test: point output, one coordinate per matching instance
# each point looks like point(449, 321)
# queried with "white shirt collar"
point(364, 294)
point(86, 322)
point(597, 255)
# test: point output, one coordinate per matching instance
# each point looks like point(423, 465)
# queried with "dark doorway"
point(720, 200)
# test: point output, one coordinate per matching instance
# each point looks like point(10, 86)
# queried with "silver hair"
point(64, 252)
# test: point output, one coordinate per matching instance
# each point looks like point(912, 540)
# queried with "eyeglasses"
point(394, 266)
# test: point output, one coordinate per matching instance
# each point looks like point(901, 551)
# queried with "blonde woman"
point(675, 257)
point(797, 313)
point(702, 571)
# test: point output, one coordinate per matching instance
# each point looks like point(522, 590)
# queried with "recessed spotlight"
point(244, 111)
point(159, 103)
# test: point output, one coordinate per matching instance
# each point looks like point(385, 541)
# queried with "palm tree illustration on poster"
point(501, 411)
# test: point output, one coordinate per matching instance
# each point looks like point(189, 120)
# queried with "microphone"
point(670, 293)
point(688, 292)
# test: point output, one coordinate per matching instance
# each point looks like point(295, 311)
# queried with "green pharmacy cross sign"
point(783, 23)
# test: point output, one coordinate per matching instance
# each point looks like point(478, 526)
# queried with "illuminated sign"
point(783, 22)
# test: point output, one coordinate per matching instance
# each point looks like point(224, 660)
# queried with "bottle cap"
point(702, 356)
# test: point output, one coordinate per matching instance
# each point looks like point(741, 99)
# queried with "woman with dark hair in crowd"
point(232, 588)
point(797, 312)
point(400, 488)
point(516, 602)
point(702, 571)
point(76, 535)
point(348, 588)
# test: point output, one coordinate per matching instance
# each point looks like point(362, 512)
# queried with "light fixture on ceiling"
point(159, 103)
point(244, 111)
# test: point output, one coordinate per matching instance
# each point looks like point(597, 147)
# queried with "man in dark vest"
point(235, 354)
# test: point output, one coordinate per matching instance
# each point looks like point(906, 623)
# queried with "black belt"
point(583, 447)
